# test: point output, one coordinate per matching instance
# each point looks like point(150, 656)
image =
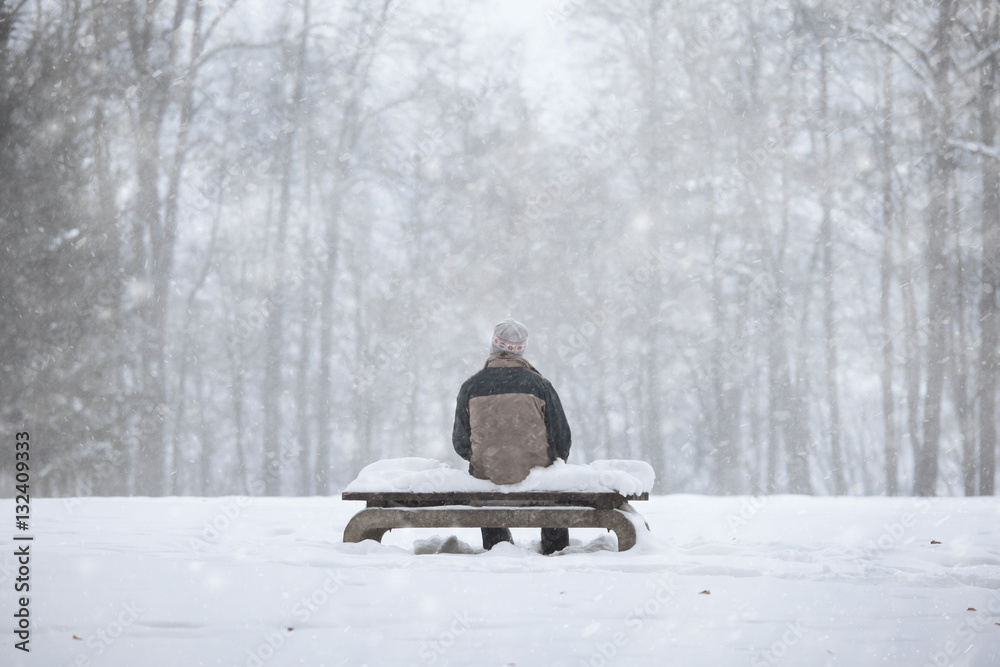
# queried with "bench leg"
point(622, 526)
point(367, 525)
point(372, 523)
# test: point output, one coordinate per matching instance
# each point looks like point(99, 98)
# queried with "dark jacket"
point(508, 419)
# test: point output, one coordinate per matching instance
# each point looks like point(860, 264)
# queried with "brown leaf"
point(935, 542)
point(705, 592)
point(78, 638)
point(289, 629)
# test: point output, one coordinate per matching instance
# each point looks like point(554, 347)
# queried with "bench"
point(471, 509)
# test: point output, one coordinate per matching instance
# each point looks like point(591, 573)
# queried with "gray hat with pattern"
point(509, 336)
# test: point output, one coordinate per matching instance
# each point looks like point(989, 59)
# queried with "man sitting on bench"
point(507, 421)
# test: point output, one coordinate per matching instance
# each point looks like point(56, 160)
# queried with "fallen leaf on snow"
point(971, 609)
point(705, 592)
point(935, 542)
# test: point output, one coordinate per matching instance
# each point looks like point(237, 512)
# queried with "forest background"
point(248, 248)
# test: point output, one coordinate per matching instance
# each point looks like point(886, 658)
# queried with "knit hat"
point(509, 336)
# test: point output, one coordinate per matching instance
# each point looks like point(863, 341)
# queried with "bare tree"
point(890, 431)
point(989, 293)
point(937, 223)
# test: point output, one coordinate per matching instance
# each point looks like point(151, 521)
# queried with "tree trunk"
point(149, 277)
point(890, 432)
point(829, 320)
point(275, 452)
point(726, 392)
point(778, 390)
point(777, 343)
point(205, 487)
point(798, 440)
point(797, 436)
point(272, 448)
point(653, 444)
point(324, 398)
point(960, 362)
point(156, 221)
point(989, 317)
point(937, 222)
point(302, 386)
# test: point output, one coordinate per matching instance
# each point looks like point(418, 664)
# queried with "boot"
point(554, 539)
point(494, 536)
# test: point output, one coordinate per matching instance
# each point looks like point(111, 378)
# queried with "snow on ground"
point(135, 582)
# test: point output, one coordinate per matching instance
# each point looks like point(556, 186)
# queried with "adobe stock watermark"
point(56, 344)
point(104, 637)
point(605, 651)
point(955, 650)
point(214, 528)
point(432, 144)
point(749, 509)
point(625, 292)
point(566, 185)
point(433, 649)
point(151, 419)
point(759, 155)
point(276, 294)
point(305, 607)
point(612, 473)
point(699, 40)
point(368, 32)
point(892, 534)
point(402, 345)
point(229, 513)
point(88, 488)
point(779, 647)
point(431, 481)
point(302, 611)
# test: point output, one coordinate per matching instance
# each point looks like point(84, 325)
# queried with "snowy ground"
point(721, 581)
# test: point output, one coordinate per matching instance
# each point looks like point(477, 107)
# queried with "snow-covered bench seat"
point(424, 493)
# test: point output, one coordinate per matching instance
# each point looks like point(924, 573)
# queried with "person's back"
point(508, 420)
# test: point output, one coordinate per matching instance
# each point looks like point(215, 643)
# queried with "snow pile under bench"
point(425, 493)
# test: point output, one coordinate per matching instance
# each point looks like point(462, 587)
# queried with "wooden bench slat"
point(596, 500)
